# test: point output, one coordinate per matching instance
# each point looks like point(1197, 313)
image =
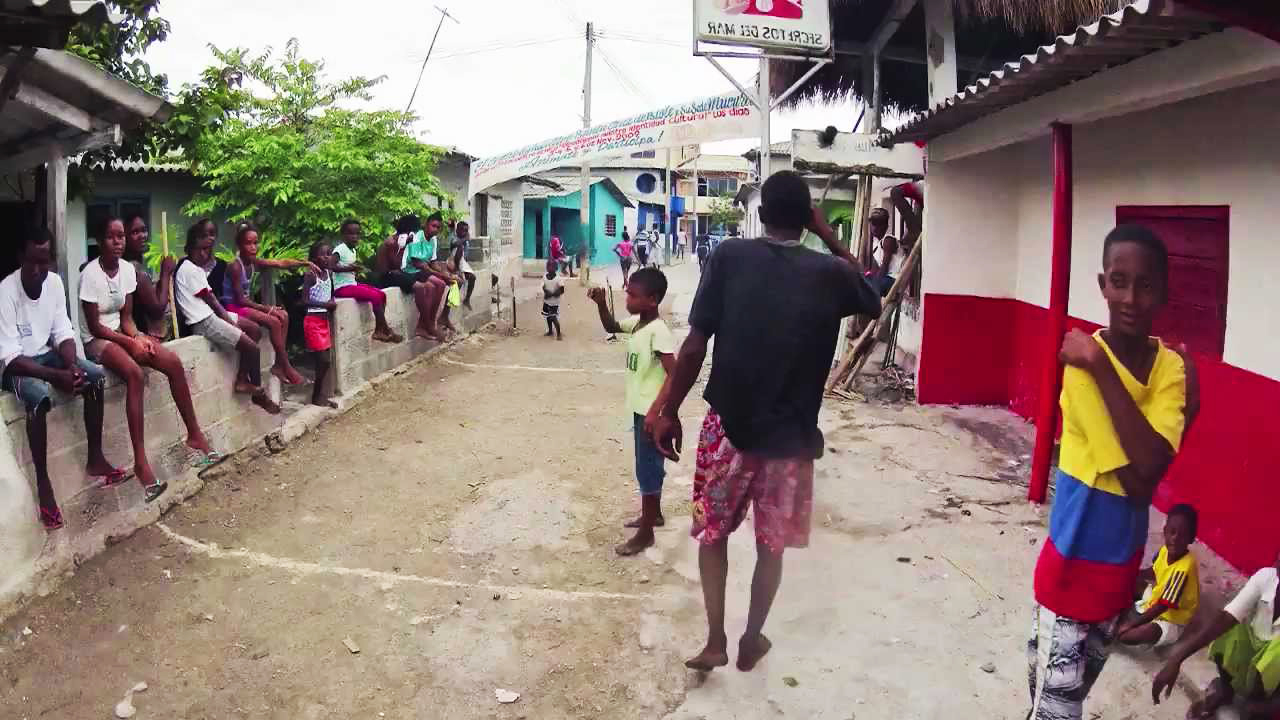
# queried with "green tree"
point(272, 143)
point(724, 212)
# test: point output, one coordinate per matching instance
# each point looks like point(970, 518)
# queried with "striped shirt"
point(1177, 587)
point(1088, 567)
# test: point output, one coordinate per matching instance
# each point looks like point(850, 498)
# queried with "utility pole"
point(443, 14)
point(668, 222)
point(763, 104)
point(585, 176)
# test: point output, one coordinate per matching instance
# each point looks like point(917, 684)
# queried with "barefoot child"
point(237, 297)
point(1172, 585)
point(428, 292)
point(552, 289)
point(774, 308)
point(650, 358)
point(1244, 643)
point(200, 310)
point(1124, 408)
point(317, 288)
point(345, 285)
point(107, 289)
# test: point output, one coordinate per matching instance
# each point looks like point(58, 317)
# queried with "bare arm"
point(668, 434)
point(909, 216)
point(818, 226)
point(212, 300)
point(1189, 645)
point(1145, 617)
point(279, 264)
point(607, 320)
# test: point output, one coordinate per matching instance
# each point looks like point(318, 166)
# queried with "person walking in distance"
point(552, 290)
point(774, 308)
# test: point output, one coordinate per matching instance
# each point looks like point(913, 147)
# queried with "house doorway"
point(1198, 240)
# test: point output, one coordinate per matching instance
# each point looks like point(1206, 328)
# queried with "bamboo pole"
point(164, 247)
point(888, 304)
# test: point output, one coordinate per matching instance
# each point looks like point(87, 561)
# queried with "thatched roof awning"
point(1139, 29)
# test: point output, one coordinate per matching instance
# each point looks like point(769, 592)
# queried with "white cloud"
point(475, 96)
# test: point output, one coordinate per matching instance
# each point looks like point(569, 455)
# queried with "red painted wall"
point(984, 351)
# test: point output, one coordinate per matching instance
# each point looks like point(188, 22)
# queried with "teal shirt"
point(423, 249)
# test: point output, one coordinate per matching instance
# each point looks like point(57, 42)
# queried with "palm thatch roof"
point(988, 34)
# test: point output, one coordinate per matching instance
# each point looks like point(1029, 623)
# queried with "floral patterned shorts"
point(726, 480)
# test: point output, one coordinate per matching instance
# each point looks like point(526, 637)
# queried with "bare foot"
point(261, 400)
point(245, 388)
point(752, 651)
point(1215, 696)
point(146, 476)
point(385, 336)
point(637, 544)
point(711, 657)
point(430, 334)
point(100, 468)
point(636, 523)
point(199, 442)
point(290, 376)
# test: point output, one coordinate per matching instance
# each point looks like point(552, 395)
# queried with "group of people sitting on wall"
point(127, 316)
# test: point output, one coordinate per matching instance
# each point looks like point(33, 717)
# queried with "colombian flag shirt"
point(1089, 565)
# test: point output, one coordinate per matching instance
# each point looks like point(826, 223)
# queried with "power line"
point(627, 83)
point(652, 40)
point(505, 46)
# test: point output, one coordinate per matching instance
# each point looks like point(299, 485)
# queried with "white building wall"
point(988, 217)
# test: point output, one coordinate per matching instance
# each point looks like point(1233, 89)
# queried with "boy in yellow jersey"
point(650, 358)
point(1174, 593)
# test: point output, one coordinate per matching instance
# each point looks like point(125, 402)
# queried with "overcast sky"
point(509, 73)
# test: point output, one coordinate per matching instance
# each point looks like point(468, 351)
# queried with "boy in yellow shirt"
point(650, 358)
point(1173, 592)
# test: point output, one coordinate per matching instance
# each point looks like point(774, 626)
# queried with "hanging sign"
point(797, 25)
point(725, 117)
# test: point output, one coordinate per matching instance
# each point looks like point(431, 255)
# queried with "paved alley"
point(452, 535)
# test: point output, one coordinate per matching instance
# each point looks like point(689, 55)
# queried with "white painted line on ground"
point(213, 551)
point(479, 366)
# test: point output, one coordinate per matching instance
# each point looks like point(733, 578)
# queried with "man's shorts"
point(397, 279)
point(218, 331)
point(36, 394)
point(726, 480)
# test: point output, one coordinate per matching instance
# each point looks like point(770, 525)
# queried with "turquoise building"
point(549, 212)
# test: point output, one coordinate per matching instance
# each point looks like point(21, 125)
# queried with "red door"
point(1197, 237)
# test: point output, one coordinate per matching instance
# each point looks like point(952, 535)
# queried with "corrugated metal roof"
point(571, 185)
point(1144, 27)
point(60, 99)
point(46, 23)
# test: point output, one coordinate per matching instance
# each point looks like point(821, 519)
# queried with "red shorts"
point(315, 330)
point(780, 491)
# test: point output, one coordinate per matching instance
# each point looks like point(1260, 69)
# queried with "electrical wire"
point(625, 79)
point(495, 47)
point(633, 37)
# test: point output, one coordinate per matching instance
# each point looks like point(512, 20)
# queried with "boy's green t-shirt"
point(423, 249)
point(645, 373)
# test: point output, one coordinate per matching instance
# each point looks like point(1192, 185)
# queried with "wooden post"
point(1059, 293)
point(164, 246)
point(513, 303)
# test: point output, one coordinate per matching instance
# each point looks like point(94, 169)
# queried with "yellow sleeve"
point(629, 324)
point(1166, 409)
point(1090, 418)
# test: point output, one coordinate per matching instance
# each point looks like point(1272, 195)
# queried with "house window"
point(1197, 237)
point(646, 182)
point(717, 186)
point(611, 225)
point(99, 209)
point(482, 216)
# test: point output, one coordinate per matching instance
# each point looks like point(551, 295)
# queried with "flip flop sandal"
point(155, 491)
point(200, 460)
point(111, 479)
point(51, 519)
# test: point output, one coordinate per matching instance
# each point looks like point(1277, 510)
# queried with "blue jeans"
point(35, 393)
point(649, 470)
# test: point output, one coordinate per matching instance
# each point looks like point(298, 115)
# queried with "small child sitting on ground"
point(650, 360)
point(317, 288)
point(552, 289)
point(1172, 587)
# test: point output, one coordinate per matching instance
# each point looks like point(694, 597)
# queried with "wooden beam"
point(39, 153)
point(916, 56)
point(54, 108)
point(889, 24)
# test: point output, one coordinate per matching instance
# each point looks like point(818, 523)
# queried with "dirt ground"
point(457, 529)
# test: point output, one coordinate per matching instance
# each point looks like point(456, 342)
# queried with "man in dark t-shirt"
point(774, 308)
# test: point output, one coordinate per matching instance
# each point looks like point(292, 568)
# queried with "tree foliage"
point(276, 143)
point(724, 212)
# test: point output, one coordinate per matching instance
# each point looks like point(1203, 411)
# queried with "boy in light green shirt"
point(650, 358)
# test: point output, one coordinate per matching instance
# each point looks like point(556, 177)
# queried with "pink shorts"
point(726, 480)
point(235, 309)
point(315, 331)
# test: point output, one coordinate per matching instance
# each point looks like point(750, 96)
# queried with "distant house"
point(556, 211)
point(717, 177)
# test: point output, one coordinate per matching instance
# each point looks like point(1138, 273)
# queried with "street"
point(452, 535)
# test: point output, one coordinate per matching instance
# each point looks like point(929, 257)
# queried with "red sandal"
point(51, 519)
point(111, 479)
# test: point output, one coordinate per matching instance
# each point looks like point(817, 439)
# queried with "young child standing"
point(1172, 585)
point(552, 289)
point(1125, 397)
point(317, 287)
point(650, 359)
